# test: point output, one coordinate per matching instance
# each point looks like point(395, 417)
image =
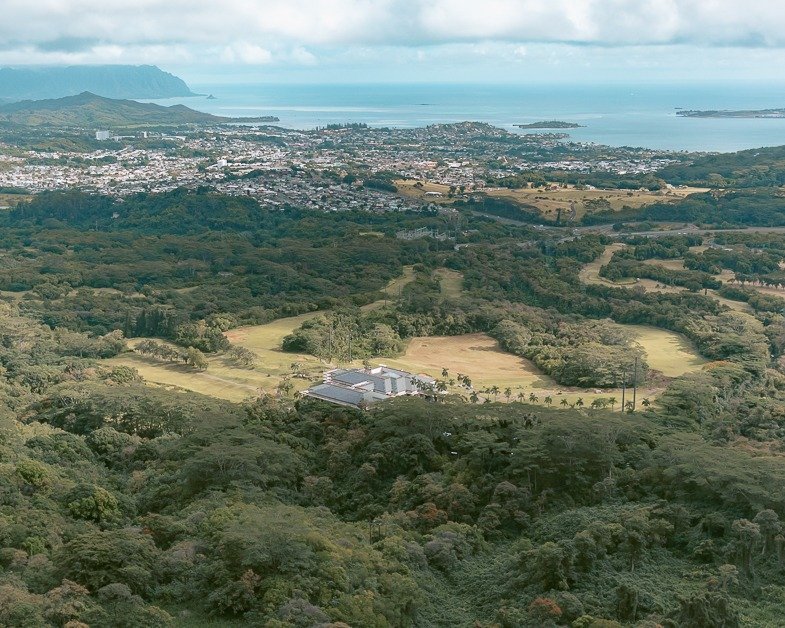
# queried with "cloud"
point(260, 32)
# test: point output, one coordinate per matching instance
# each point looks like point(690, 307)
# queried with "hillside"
point(89, 110)
point(111, 81)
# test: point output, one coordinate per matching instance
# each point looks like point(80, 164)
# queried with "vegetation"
point(89, 110)
point(130, 504)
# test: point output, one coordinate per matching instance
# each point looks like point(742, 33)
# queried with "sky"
point(511, 41)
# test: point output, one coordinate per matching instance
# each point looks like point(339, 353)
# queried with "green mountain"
point(90, 110)
point(112, 81)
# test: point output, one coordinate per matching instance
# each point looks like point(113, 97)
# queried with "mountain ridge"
point(91, 110)
point(110, 81)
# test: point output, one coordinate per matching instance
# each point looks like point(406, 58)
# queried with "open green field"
point(668, 352)
point(393, 288)
point(225, 380)
point(451, 282)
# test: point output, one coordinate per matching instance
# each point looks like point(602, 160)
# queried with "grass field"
point(9, 200)
point(222, 378)
point(479, 357)
point(590, 274)
point(393, 288)
point(670, 353)
point(549, 202)
point(451, 282)
point(475, 355)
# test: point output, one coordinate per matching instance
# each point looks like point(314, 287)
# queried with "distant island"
point(549, 124)
point(92, 111)
point(111, 81)
point(750, 113)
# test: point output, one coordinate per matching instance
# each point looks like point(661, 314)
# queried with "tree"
point(88, 501)
point(533, 398)
point(747, 537)
point(195, 359)
point(612, 402)
point(474, 397)
point(508, 393)
point(96, 559)
point(548, 400)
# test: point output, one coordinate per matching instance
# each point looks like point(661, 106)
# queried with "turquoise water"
point(617, 115)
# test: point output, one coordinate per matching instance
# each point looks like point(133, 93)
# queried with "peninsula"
point(549, 124)
point(748, 113)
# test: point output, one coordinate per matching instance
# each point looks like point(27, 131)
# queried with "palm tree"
point(445, 373)
point(564, 402)
point(579, 402)
point(612, 402)
point(596, 404)
point(474, 397)
point(521, 396)
point(494, 390)
point(548, 401)
point(629, 406)
point(533, 398)
point(508, 393)
point(645, 402)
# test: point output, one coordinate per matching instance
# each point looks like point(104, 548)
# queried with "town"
point(348, 167)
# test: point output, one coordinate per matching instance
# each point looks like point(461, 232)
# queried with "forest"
point(127, 504)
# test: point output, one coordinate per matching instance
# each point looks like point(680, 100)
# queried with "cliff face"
point(111, 81)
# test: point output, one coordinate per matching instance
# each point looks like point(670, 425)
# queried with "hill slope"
point(89, 110)
point(112, 81)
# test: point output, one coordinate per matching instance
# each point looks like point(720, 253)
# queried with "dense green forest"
point(125, 504)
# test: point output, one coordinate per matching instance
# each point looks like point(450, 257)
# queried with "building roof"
point(338, 394)
point(357, 386)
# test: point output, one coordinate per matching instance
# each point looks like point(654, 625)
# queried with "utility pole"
point(623, 388)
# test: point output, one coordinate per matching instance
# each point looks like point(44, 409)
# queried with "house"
point(361, 387)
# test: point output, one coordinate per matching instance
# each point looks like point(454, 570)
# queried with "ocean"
point(616, 115)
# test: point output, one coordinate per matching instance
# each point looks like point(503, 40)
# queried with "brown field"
point(550, 201)
point(408, 187)
point(480, 357)
point(9, 200)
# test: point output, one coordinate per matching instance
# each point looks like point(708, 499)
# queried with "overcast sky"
point(406, 40)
